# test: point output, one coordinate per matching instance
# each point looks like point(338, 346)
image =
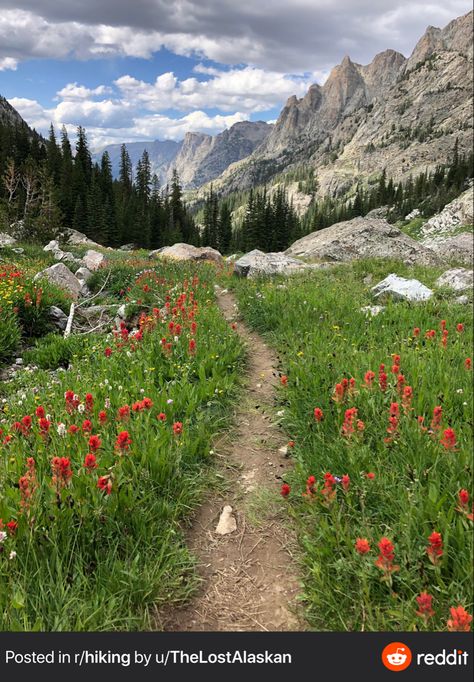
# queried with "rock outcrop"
point(361, 238)
point(256, 263)
point(457, 213)
point(458, 279)
point(187, 252)
point(453, 249)
point(93, 260)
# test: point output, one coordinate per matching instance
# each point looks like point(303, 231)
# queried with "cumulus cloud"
point(287, 36)
point(8, 63)
point(249, 89)
point(107, 121)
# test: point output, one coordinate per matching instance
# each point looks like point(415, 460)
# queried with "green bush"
point(53, 351)
point(10, 334)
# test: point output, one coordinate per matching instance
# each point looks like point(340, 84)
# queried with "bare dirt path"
point(249, 579)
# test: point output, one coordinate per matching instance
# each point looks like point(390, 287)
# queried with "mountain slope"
point(400, 114)
point(161, 154)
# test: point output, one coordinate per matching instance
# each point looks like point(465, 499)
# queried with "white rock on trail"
point(401, 289)
point(458, 279)
point(227, 523)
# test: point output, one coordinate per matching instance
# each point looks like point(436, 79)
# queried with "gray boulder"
point(83, 274)
point(187, 252)
point(458, 212)
point(93, 260)
point(458, 279)
point(6, 240)
point(457, 248)
point(128, 247)
point(256, 263)
point(401, 289)
point(53, 245)
point(60, 275)
point(362, 238)
point(57, 317)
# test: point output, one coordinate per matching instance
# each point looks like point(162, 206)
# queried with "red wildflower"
point(284, 380)
point(370, 475)
point(161, 416)
point(62, 473)
point(407, 398)
point(369, 378)
point(400, 383)
point(12, 527)
point(318, 414)
point(460, 327)
point(40, 412)
point(73, 429)
point(348, 426)
point(416, 331)
point(430, 334)
point(310, 483)
point(104, 483)
point(87, 426)
point(123, 440)
point(396, 359)
point(102, 416)
point(90, 462)
point(338, 393)
point(382, 378)
point(463, 496)
point(460, 620)
point(193, 327)
point(94, 443)
point(89, 400)
point(177, 428)
point(444, 340)
point(443, 324)
point(108, 352)
point(362, 546)
point(124, 412)
point(26, 424)
point(346, 482)
point(285, 490)
point(437, 416)
point(192, 345)
point(395, 369)
point(449, 439)
point(467, 363)
point(329, 490)
point(137, 406)
point(425, 605)
point(386, 557)
point(147, 403)
point(44, 425)
point(435, 548)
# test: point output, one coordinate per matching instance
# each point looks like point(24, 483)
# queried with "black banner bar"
point(246, 656)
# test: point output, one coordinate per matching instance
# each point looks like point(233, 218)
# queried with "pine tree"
point(224, 228)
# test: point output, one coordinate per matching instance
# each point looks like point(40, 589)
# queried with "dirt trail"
point(248, 576)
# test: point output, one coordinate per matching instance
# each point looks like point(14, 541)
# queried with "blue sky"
point(154, 69)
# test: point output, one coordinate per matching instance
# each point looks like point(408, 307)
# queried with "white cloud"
point(248, 89)
point(107, 122)
point(8, 63)
point(73, 92)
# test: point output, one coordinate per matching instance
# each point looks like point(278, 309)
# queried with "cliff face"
point(203, 158)
point(395, 113)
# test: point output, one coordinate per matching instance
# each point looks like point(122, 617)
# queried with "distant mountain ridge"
point(199, 158)
point(400, 114)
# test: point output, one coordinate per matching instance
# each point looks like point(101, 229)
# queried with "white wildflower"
point(61, 429)
point(3, 536)
point(107, 403)
point(12, 555)
point(81, 408)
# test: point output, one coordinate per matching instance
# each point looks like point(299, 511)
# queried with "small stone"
point(19, 361)
point(283, 451)
point(401, 289)
point(462, 300)
point(227, 523)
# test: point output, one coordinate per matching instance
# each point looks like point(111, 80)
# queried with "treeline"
point(46, 187)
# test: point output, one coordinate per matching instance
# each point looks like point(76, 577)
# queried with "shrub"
point(53, 351)
point(10, 334)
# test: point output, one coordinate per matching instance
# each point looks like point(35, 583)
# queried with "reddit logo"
point(396, 656)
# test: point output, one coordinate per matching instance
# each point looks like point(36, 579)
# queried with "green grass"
point(315, 324)
point(85, 559)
